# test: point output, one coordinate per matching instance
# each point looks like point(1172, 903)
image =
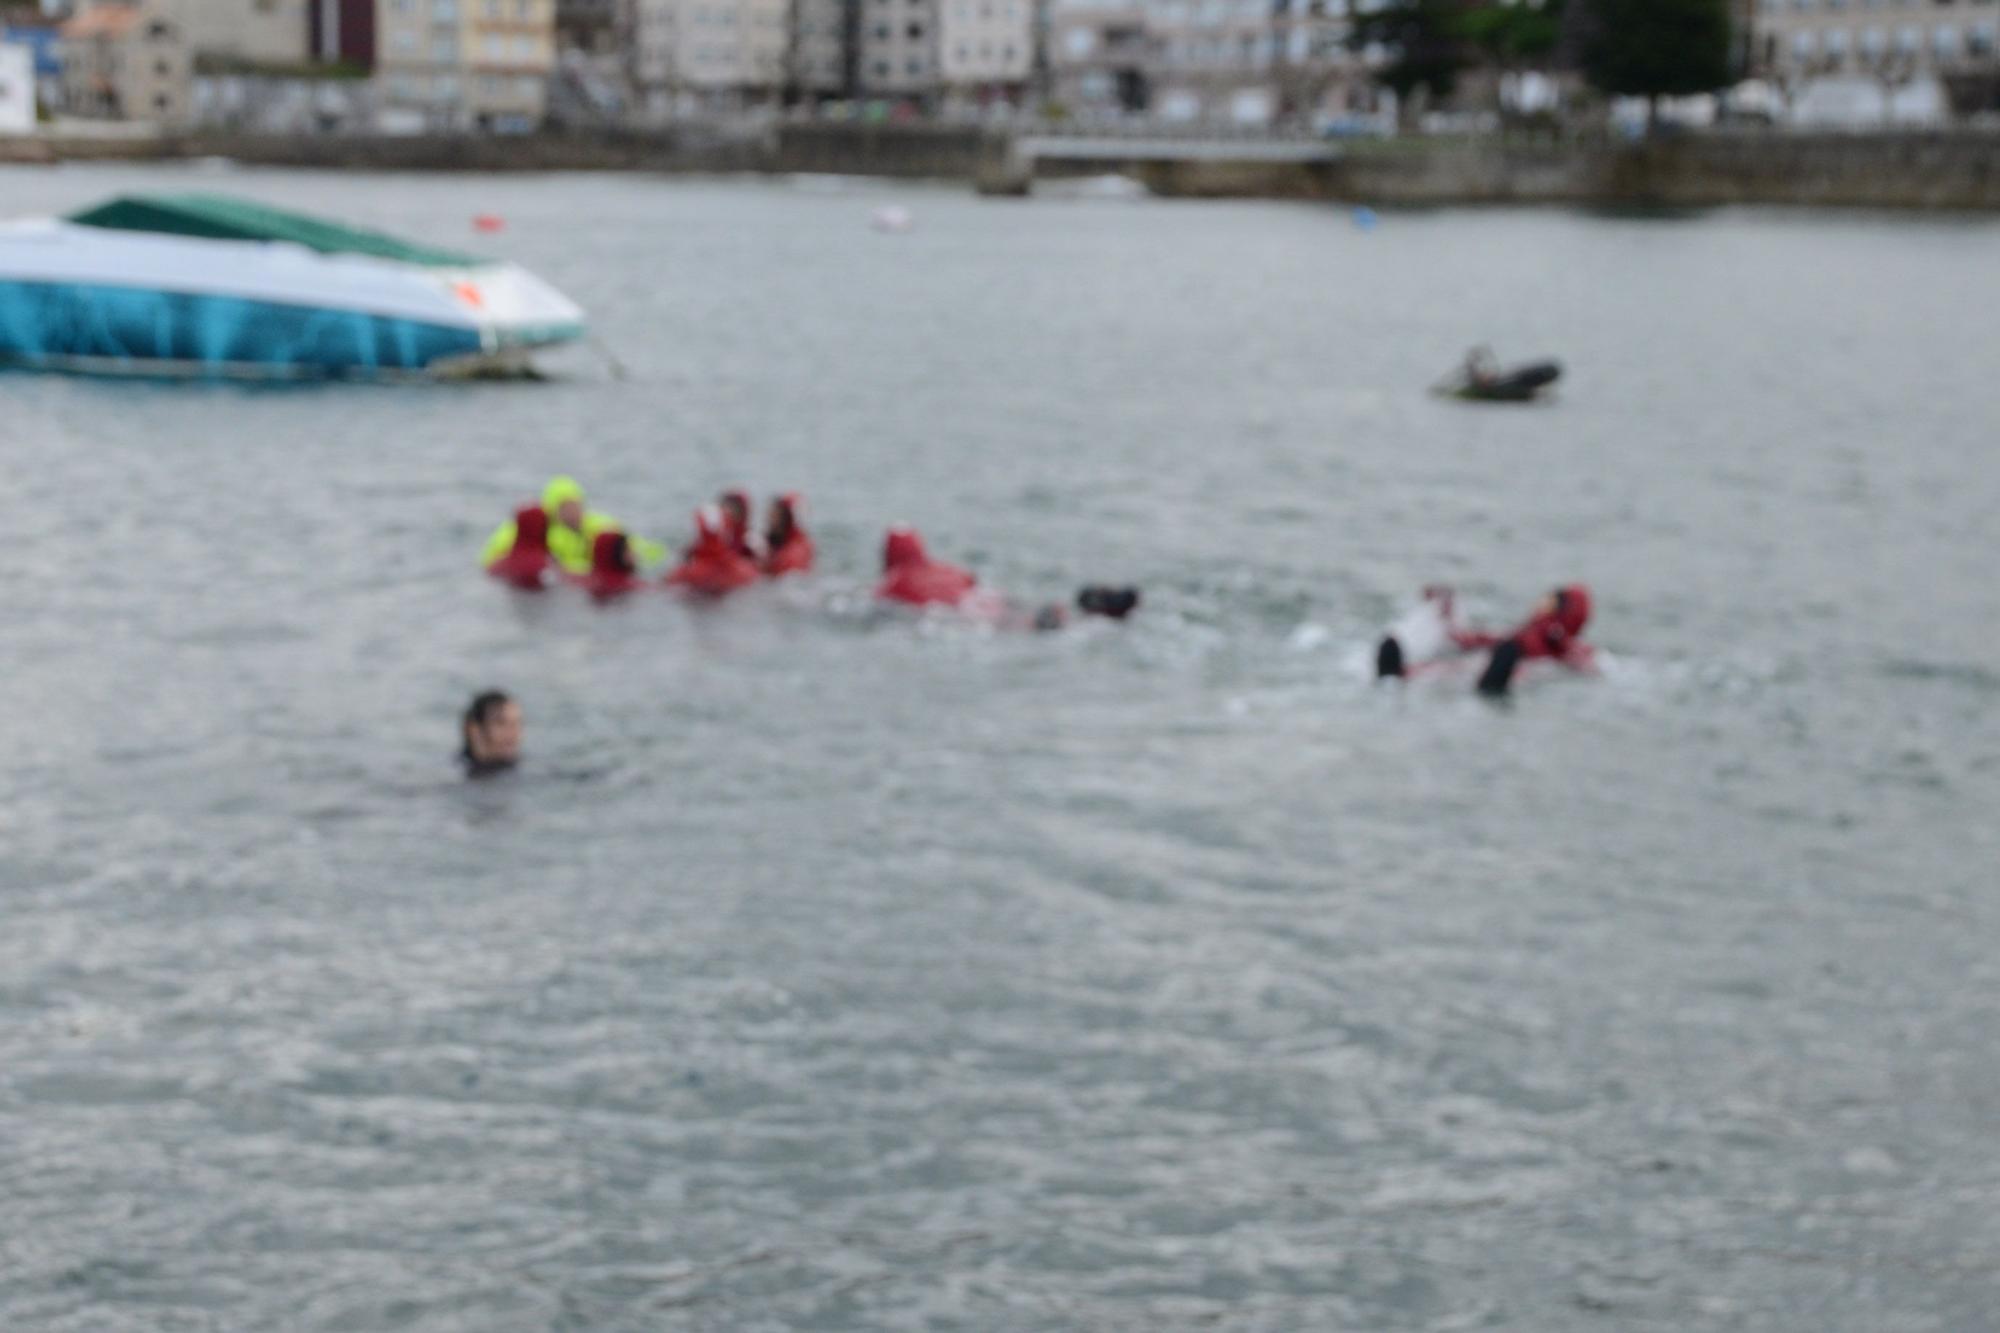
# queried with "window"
point(445, 11)
point(444, 52)
point(405, 43)
point(162, 68)
point(1909, 40)
point(881, 69)
point(161, 101)
point(915, 31)
point(158, 31)
point(1981, 38)
point(1945, 42)
point(524, 48)
point(913, 67)
point(1804, 44)
point(491, 8)
point(445, 87)
point(524, 10)
point(1874, 41)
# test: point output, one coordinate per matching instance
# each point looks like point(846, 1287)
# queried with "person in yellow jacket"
point(573, 530)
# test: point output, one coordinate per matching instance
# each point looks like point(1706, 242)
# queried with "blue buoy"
point(1364, 217)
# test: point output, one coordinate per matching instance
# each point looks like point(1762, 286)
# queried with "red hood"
point(730, 504)
point(909, 575)
point(903, 549)
point(531, 529)
point(1573, 608)
point(609, 554)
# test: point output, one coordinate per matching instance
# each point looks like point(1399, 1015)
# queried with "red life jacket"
point(612, 573)
point(911, 577)
point(526, 564)
point(713, 566)
point(1558, 632)
point(788, 550)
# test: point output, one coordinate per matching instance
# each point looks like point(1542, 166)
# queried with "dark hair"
point(477, 714)
point(1100, 600)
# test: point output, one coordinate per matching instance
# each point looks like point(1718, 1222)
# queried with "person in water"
point(573, 529)
point(1482, 369)
point(787, 547)
point(490, 734)
point(1553, 632)
point(613, 572)
point(912, 578)
point(735, 510)
point(526, 561)
point(715, 564)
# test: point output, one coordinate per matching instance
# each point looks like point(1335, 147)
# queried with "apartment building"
point(985, 48)
point(700, 55)
point(1895, 39)
point(1246, 61)
point(896, 48)
point(126, 62)
point(455, 64)
point(252, 32)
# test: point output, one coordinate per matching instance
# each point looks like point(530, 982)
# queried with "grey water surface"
point(828, 971)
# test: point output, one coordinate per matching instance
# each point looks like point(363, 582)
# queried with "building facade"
point(702, 55)
point(462, 64)
point(986, 48)
point(896, 48)
point(1244, 61)
point(252, 32)
point(126, 62)
point(1892, 39)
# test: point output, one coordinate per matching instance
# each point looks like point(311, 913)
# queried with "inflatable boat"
point(209, 287)
point(1480, 380)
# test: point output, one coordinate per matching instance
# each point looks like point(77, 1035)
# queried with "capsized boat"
point(206, 286)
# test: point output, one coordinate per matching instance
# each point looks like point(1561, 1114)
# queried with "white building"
point(1242, 61)
point(256, 32)
point(897, 48)
point(985, 47)
point(17, 89)
point(1895, 40)
point(693, 55)
point(454, 64)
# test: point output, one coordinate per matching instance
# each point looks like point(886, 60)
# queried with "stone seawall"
point(1942, 170)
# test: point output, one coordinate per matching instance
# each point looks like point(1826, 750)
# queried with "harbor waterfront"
point(824, 970)
point(1924, 170)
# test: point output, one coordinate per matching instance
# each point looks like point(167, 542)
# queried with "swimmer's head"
point(1101, 600)
point(531, 529)
point(903, 547)
point(611, 553)
point(1571, 607)
point(490, 732)
point(735, 507)
point(783, 520)
point(562, 500)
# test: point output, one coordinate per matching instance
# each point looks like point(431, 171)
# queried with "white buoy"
point(892, 218)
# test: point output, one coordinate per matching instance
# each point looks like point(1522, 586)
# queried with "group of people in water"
point(563, 540)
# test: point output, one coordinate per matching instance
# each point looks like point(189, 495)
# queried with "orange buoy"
point(489, 222)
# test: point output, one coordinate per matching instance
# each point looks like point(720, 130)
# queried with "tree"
point(1510, 35)
point(1656, 48)
point(1426, 42)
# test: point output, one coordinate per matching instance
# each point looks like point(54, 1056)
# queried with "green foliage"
point(1431, 42)
point(1426, 41)
point(1514, 33)
point(1657, 48)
